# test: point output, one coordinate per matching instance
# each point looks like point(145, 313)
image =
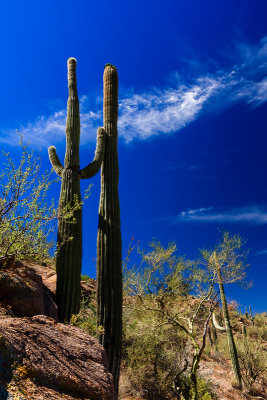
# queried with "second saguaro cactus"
point(109, 273)
point(69, 237)
point(227, 323)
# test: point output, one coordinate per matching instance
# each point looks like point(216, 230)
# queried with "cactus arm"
point(53, 157)
point(215, 323)
point(92, 168)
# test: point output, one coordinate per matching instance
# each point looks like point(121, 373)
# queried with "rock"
point(48, 275)
point(257, 390)
point(22, 293)
point(41, 359)
point(49, 279)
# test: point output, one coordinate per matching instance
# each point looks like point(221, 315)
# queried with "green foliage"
point(259, 328)
point(85, 278)
point(159, 272)
point(86, 319)
point(26, 219)
point(253, 358)
point(253, 362)
point(164, 326)
point(204, 388)
point(226, 265)
point(158, 288)
point(229, 257)
point(152, 352)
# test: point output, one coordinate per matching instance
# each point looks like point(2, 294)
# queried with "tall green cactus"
point(109, 274)
point(218, 260)
point(252, 318)
point(229, 333)
point(69, 236)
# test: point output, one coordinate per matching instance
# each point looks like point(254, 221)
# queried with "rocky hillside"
point(39, 357)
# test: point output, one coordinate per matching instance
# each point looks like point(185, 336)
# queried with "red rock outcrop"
point(49, 279)
point(43, 360)
point(23, 293)
point(28, 290)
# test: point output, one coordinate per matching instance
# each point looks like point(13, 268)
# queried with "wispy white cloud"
point(165, 111)
point(262, 252)
point(250, 215)
point(51, 130)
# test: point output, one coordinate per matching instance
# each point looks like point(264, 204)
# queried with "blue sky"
point(192, 115)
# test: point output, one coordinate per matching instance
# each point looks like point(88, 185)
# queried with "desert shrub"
point(152, 354)
point(259, 329)
point(27, 219)
point(166, 326)
point(204, 388)
point(86, 319)
point(85, 278)
point(253, 363)
point(253, 358)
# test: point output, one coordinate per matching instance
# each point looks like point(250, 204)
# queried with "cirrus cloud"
point(164, 111)
point(256, 215)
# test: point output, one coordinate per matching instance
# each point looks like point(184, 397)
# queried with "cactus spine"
point(69, 236)
point(109, 274)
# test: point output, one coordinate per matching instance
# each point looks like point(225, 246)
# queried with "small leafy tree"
point(225, 265)
point(26, 219)
point(160, 285)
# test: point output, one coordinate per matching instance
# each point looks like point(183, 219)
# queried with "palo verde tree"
point(26, 218)
point(226, 264)
point(159, 286)
point(69, 237)
point(109, 274)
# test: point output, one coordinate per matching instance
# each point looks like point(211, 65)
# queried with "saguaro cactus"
point(109, 274)
point(227, 325)
point(228, 328)
point(69, 236)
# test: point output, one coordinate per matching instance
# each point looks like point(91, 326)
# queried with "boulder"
point(41, 359)
point(23, 293)
point(49, 279)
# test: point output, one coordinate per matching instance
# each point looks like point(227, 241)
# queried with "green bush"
point(152, 354)
point(26, 220)
point(166, 328)
point(86, 319)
